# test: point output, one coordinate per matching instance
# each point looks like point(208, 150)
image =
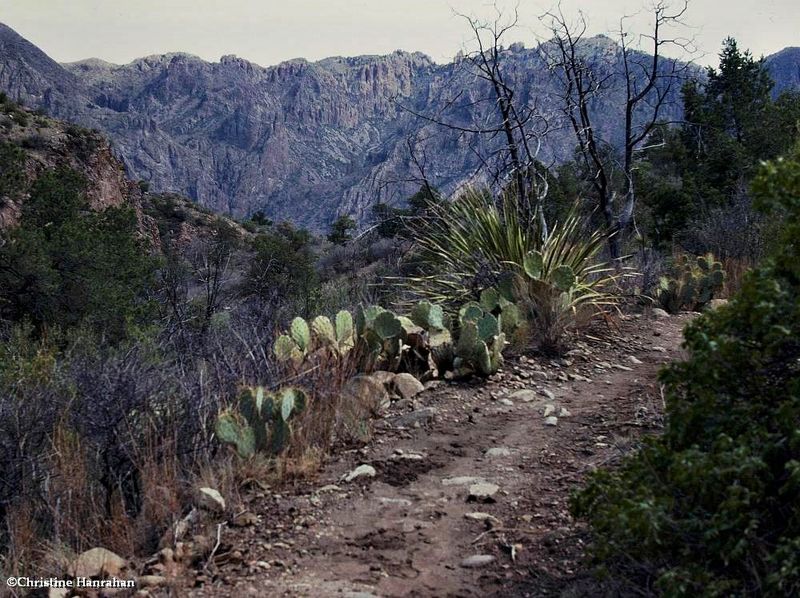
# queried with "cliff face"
point(300, 141)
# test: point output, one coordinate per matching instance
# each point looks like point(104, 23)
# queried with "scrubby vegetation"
point(145, 347)
point(710, 508)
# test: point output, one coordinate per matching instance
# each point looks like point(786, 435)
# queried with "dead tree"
point(648, 81)
point(521, 126)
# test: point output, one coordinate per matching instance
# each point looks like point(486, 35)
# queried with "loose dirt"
point(411, 529)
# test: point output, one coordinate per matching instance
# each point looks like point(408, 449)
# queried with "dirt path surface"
point(413, 529)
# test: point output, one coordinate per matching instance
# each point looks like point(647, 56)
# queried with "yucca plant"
point(478, 242)
point(563, 279)
point(464, 247)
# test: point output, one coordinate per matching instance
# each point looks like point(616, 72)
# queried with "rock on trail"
point(482, 507)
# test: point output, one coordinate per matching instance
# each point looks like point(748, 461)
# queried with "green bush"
point(66, 265)
point(12, 172)
point(713, 506)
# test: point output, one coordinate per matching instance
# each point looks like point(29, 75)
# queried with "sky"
point(268, 31)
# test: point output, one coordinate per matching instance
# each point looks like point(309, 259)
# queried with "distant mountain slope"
point(301, 141)
point(784, 66)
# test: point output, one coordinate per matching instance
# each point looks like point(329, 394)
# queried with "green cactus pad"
point(470, 312)
point(429, 316)
point(231, 429)
point(533, 264)
point(301, 334)
point(387, 325)
point(284, 347)
point(490, 299)
point(344, 329)
point(488, 327)
point(323, 330)
point(564, 278)
point(292, 401)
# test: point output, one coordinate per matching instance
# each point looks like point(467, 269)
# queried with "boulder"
point(368, 391)
point(98, 562)
point(210, 500)
point(659, 313)
point(383, 377)
point(407, 386)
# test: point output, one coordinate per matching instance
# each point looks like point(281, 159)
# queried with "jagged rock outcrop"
point(301, 141)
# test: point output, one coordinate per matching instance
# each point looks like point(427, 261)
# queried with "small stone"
point(525, 396)
point(362, 471)
point(506, 402)
point(418, 417)
point(500, 451)
point(563, 412)
point(659, 313)
point(329, 488)
point(549, 410)
point(551, 421)
point(245, 519)
point(151, 581)
point(482, 492)
point(635, 360)
point(407, 386)
point(546, 393)
point(403, 405)
point(461, 481)
point(97, 562)
point(483, 517)
point(210, 500)
point(477, 560)
point(400, 502)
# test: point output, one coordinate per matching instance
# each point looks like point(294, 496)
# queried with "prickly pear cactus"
point(262, 422)
point(480, 342)
point(695, 283)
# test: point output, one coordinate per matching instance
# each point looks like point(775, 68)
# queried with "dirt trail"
point(405, 532)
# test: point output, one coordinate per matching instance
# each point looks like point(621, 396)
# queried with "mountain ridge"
point(303, 141)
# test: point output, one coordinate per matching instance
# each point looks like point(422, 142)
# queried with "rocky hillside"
point(301, 141)
point(31, 143)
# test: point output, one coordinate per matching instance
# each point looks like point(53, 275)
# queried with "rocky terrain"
point(463, 490)
point(31, 143)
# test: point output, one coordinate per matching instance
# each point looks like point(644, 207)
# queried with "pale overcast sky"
point(269, 31)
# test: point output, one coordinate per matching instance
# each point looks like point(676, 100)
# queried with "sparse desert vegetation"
point(482, 384)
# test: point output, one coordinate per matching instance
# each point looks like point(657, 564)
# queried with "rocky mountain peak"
point(300, 140)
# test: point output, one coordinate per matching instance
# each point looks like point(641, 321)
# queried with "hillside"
point(31, 144)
